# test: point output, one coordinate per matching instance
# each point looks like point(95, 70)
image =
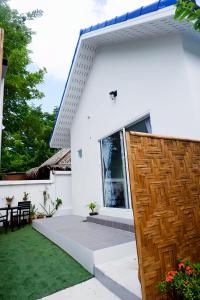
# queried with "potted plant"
point(45, 197)
point(183, 283)
point(40, 215)
point(58, 203)
point(25, 198)
point(92, 206)
point(9, 200)
point(33, 211)
point(51, 207)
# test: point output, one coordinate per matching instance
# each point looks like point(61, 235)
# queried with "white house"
point(139, 72)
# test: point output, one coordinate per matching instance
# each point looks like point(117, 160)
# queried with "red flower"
point(189, 270)
point(169, 278)
point(181, 265)
point(172, 273)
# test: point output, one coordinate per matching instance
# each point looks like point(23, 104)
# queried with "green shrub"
point(184, 283)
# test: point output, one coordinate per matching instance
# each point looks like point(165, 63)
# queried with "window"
point(143, 125)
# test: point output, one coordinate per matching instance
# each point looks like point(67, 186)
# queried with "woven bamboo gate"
point(165, 187)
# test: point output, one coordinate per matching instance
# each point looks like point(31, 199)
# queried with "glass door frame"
point(125, 171)
point(123, 129)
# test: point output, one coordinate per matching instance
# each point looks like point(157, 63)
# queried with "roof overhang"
point(157, 23)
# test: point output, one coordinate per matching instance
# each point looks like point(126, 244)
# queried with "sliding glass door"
point(115, 189)
point(114, 171)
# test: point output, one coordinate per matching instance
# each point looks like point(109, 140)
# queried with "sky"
point(56, 35)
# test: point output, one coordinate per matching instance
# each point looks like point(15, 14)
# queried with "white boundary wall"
point(59, 185)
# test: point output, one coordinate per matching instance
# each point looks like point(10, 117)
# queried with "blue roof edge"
point(119, 19)
point(130, 15)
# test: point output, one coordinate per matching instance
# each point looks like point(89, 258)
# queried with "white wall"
point(192, 61)
point(59, 186)
point(150, 76)
point(63, 190)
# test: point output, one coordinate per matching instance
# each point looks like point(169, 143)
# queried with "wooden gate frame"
point(158, 249)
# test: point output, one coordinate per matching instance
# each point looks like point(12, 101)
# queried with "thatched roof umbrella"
point(59, 161)
point(32, 173)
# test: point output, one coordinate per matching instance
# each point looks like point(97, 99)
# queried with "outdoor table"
point(9, 211)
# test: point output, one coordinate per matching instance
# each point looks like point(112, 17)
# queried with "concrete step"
point(120, 277)
point(114, 222)
point(89, 243)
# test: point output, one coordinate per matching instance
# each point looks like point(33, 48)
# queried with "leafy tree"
point(28, 147)
point(190, 11)
point(21, 147)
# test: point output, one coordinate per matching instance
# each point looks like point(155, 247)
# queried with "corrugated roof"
point(130, 15)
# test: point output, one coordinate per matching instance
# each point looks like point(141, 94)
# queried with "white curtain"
point(107, 147)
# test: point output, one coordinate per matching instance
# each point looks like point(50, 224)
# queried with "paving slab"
point(86, 242)
point(88, 290)
point(91, 235)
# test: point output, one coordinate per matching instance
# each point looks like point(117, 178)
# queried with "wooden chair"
point(24, 212)
point(4, 218)
point(14, 218)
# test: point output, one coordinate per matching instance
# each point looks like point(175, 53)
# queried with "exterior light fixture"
point(113, 95)
point(80, 153)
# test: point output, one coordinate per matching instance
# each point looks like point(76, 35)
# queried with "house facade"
point(138, 72)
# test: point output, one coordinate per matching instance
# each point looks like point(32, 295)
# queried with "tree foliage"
point(25, 137)
point(190, 11)
point(28, 147)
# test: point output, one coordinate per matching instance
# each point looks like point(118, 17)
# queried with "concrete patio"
point(90, 290)
point(102, 250)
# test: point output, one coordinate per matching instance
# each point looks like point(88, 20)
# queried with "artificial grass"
point(32, 267)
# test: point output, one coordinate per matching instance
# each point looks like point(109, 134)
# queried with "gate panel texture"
point(165, 188)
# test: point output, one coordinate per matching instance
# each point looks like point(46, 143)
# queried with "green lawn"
point(32, 267)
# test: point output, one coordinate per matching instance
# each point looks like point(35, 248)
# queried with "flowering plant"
point(9, 200)
point(184, 283)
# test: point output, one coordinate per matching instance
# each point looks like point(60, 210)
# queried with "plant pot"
point(9, 205)
point(31, 219)
point(40, 217)
point(93, 213)
point(48, 216)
